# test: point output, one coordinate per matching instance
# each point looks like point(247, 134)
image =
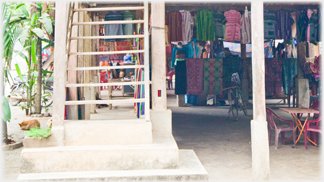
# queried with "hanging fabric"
point(219, 25)
point(212, 76)
point(246, 27)
point(302, 25)
point(128, 29)
point(270, 23)
point(273, 76)
point(195, 76)
point(174, 22)
point(205, 28)
point(289, 70)
point(113, 29)
point(181, 78)
point(313, 28)
point(309, 14)
point(232, 26)
point(187, 24)
point(284, 23)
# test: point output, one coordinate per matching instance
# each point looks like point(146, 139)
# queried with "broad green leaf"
point(24, 10)
point(33, 51)
point(45, 71)
point(33, 18)
point(23, 56)
point(39, 32)
point(45, 19)
point(19, 72)
point(6, 112)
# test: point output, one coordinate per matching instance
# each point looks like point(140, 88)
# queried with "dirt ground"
point(223, 146)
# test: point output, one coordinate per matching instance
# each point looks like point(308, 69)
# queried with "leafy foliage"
point(39, 132)
point(6, 112)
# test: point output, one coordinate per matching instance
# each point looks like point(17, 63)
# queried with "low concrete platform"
point(162, 154)
point(190, 169)
point(107, 132)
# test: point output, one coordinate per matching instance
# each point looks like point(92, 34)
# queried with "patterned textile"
point(289, 70)
point(230, 66)
point(174, 22)
point(195, 76)
point(205, 25)
point(284, 23)
point(212, 76)
point(273, 76)
point(180, 78)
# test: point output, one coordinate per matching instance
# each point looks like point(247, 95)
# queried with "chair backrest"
point(316, 106)
point(270, 118)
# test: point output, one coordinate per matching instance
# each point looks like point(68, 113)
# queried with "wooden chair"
point(280, 128)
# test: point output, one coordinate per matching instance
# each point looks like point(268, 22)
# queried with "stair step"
point(106, 53)
point(163, 153)
point(104, 84)
point(81, 102)
point(110, 8)
point(107, 132)
point(109, 37)
point(108, 67)
point(109, 22)
point(190, 169)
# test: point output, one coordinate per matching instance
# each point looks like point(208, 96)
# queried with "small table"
point(301, 111)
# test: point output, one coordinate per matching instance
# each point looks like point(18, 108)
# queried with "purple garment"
point(284, 23)
point(273, 76)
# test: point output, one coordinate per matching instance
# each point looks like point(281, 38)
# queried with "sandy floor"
point(223, 146)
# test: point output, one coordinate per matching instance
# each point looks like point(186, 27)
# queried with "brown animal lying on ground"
point(27, 124)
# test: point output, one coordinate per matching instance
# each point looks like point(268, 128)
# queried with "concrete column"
point(259, 125)
point(72, 75)
point(87, 63)
point(59, 94)
point(159, 103)
point(245, 81)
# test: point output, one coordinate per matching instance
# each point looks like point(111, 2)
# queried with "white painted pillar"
point(159, 103)
point(259, 125)
point(72, 74)
point(61, 17)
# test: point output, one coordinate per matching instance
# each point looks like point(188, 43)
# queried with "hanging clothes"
point(180, 78)
point(205, 25)
point(270, 23)
point(302, 25)
point(174, 22)
point(273, 76)
point(219, 25)
point(246, 28)
point(113, 29)
point(284, 23)
point(313, 28)
point(212, 76)
point(232, 26)
point(309, 14)
point(128, 29)
point(167, 42)
point(195, 76)
point(187, 24)
point(289, 70)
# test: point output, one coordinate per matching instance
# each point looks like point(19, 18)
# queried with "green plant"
point(39, 132)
